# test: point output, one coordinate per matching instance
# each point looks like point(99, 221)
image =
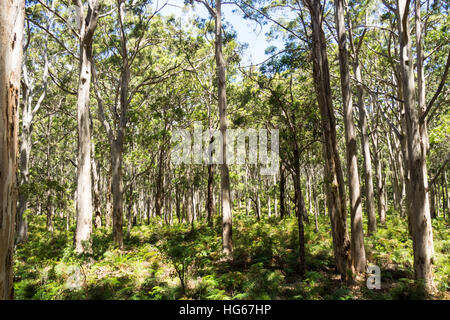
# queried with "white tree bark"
point(11, 34)
point(87, 24)
point(419, 210)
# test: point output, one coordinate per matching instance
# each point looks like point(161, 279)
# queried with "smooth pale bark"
point(87, 23)
point(419, 211)
point(11, 34)
point(420, 76)
point(222, 104)
point(422, 108)
point(333, 172)
point(357, 236)
point(118, 140)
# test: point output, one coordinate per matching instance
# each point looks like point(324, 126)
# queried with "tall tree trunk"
point(419, 211)
point(222, 104)
point(422, 108)
point(357, 236)
point(87, 24)
point(11, 34)
point(334, 176)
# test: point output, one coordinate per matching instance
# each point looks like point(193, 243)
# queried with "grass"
point(185, 262)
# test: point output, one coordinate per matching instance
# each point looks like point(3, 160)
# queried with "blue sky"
point(247, 31)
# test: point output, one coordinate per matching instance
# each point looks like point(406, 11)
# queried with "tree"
point(357, 235)
point(29, 111)
point(11, 35)
point(419, 210)
point(87, 23)
point(227, 224)
point(335, 180)
point(365, 147)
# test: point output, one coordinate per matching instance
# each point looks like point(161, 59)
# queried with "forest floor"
point(185, 262)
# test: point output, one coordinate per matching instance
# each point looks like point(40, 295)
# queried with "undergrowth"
point(185, 262)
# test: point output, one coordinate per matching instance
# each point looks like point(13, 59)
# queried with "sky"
point(247, 31)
